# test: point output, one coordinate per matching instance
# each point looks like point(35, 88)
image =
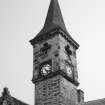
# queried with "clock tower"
point(54, 62)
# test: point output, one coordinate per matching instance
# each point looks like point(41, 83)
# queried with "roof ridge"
point(95, 100)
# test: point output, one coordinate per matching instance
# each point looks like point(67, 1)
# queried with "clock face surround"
point(36, 73)
point(46, 68)
point(69, 69)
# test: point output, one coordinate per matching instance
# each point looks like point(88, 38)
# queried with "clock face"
point(36, 74)
point(69, 70)
point(46, 69)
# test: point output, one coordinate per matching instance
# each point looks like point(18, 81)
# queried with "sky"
point(21, 20)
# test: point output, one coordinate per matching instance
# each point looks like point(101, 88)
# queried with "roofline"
point(58, 29)
point(95, 100)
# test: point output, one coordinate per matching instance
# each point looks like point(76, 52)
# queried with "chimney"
point(5, 91)
point(80, 95)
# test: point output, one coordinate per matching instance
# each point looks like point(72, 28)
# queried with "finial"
point(5, 91)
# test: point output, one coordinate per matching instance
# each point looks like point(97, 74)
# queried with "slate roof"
point(10, 100)
point(18, 102)
point(54, 18)
point(95, 102)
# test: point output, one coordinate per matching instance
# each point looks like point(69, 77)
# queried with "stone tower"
point(54, 62)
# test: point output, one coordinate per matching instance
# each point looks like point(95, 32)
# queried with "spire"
point(54, 18)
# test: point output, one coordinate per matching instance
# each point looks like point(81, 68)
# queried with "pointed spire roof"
point(54, 18)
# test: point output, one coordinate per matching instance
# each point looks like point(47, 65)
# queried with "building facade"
point(7, 99)
point(55, 73)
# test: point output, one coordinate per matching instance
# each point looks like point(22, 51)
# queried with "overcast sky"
point(21, 20)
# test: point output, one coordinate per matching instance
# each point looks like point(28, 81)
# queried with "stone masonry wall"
point(55, 91)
